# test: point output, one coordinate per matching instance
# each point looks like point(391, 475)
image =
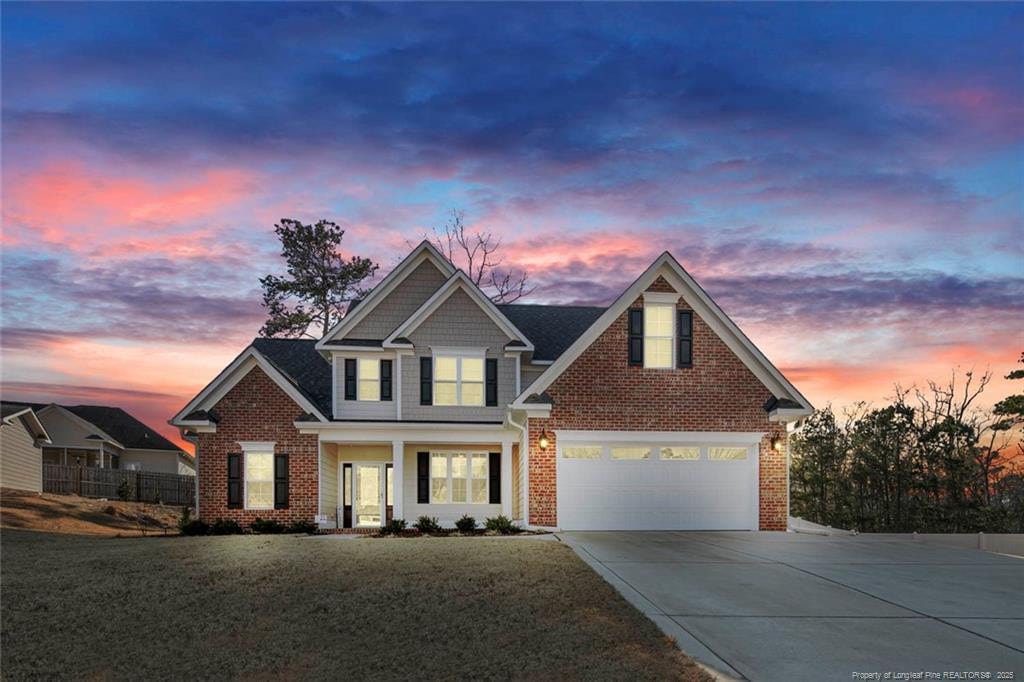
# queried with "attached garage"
point(657, 480)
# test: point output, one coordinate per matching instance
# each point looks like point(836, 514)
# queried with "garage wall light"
point(777, 443)
point(543, 441)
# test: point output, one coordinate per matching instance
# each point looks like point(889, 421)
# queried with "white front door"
point(368, 495)
point(665, 484)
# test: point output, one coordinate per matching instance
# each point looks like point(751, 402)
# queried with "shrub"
point(225, 527)
point(393, 527)
point(185, 518)
point(195, 527)
point(467, 524)
point(502, 524)
point(266, 526)
point(427, 524)
point(306, 527)
point(124, 490)
point(110, 509)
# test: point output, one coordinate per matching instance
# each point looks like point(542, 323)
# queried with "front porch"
point(366, 481)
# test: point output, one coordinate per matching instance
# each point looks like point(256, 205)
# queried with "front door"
point(368, 489)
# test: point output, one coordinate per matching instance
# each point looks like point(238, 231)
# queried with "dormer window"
point(369, 379)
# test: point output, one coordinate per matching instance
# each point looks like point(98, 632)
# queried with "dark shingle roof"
point(303, 365)
point(551, 328)
point(781, 404)
point(121, 426)
point(7, 409)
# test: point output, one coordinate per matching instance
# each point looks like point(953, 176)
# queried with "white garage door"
point(657, 481)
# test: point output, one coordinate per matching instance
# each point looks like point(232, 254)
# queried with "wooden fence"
point(116, 484)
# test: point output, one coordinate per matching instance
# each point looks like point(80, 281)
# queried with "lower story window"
point(259, 480)
point(459, 478)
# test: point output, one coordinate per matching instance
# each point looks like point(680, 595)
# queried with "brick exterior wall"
point(256, 409)
point(601, 391)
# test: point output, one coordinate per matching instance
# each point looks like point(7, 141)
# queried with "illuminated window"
point(631, 453)
point(581, 452)
point(727, 453)
point(458, 380)
point(459, 478)
point(658, 335)
point(369, 379)
point(259, 480)
point(680, 453)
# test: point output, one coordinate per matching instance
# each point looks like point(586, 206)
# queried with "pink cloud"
point(70, 204)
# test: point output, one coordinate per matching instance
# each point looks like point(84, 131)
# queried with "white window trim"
point(359, 361)
point(459, 354)
point(469, 454)
point(256, 448)
point(671, 338)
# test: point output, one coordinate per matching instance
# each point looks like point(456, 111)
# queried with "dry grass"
point(296, 607)
point(84, 516)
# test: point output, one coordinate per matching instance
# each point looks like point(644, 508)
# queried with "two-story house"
point(428, 399)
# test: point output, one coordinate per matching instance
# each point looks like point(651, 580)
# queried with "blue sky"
point(845, 179)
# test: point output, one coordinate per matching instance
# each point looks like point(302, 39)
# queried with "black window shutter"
point(423, 477)
point(685, 351)
point(491, 386)
point(494, 472)
point(350, 378)
point(234, 481)
point(426, 381)
point(385, 379)
point(636, 336)
point(280, 481)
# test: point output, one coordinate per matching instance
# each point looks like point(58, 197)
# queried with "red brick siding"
point(601, 391)
point(256, 409)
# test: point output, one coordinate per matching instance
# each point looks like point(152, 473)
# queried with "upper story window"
point(458, 380)
point(368, 379)
point(368, 371)
point(658, 334)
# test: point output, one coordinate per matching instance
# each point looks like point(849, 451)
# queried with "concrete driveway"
point(785, 606)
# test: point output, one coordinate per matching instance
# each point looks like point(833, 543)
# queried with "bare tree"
point(475, 252)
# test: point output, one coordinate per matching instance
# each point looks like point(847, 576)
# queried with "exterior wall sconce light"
point(777, 443)
point(543, 441)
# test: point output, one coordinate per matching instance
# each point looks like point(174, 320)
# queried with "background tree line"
point(931, 461)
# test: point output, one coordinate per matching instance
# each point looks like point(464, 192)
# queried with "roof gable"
point(128, 430)
point(252, 357)
point(676, 277)
point(458, 282)
point(425, 252)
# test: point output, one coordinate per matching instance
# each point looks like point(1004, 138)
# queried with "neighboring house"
point(107, 438)
point(21, 438)
point(428, 399)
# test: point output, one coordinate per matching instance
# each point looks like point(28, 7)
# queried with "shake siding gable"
point(460, 322)
point(406, 299)
point(600, 390)
point(256, 409)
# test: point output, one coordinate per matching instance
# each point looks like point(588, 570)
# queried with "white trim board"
point(668, 267)
point(425, 251)
point(458, 281)
point(231, 375)
point(725, 437)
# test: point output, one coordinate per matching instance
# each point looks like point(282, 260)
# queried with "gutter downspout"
point(524, 464)
point(194, 439)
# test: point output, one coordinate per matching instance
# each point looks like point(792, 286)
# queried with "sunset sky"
point(845, 180)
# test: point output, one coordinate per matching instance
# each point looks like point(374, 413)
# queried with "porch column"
point(506, 478)
point(397, 460)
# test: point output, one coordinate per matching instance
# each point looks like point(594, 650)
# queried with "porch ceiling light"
point(543, 441)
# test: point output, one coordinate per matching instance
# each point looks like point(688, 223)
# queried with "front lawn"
point(297, 607)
